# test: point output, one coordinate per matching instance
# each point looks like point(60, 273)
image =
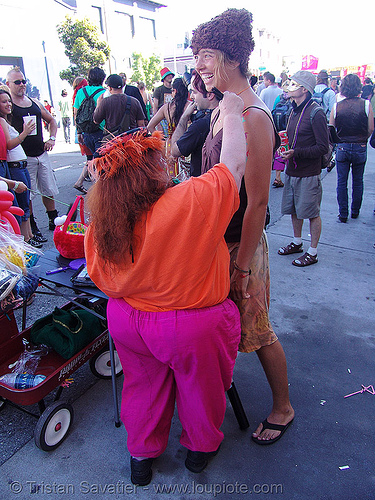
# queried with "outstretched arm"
point(233, 149)
point(181, 128)
point(156, 119)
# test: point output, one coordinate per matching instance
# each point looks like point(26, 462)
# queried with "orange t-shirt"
point(181, 260)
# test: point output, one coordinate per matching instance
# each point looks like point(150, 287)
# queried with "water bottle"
point(21, 380)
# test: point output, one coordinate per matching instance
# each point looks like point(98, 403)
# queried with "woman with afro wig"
point(174, 328)
point(222, 48)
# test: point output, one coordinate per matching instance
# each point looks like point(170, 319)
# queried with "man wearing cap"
point(272, 90)
point(328, 95)
point(113, 108)
point(163, 94)
point(308, 141)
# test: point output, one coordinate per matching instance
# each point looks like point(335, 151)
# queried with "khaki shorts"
point(256, 328)
point(42, 176)
point(302, 196)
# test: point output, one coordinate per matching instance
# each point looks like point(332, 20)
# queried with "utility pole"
point(48, 81)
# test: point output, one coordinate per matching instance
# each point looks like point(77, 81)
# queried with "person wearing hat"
point(328, 95)
point(307, 133)
point(163, 94)
point(113, 108)
point(222, 48)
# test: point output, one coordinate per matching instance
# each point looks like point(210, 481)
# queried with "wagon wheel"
point(100, 364)
point(53, 425)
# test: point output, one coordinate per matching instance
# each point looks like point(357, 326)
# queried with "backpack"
point(281, 112)
point(326, 158)
point(318, 98)
point(85, 113)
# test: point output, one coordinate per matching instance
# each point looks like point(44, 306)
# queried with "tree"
point(83, 47)
point(146, 69)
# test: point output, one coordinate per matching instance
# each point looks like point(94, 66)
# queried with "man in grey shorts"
point(308, 141)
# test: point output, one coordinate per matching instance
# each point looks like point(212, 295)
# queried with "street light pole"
point(48, 81)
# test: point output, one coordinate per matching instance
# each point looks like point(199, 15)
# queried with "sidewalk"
point(324, 316)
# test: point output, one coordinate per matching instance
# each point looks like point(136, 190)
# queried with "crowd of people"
point(178, 315)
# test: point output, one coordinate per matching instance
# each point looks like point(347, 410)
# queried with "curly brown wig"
point(229, 32)
point(131, 179)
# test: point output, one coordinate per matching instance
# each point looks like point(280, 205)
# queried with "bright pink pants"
point(185, 356)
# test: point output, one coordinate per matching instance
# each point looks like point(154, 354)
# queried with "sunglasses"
point(18, 82)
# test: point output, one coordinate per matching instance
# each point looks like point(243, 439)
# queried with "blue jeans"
point(93, 141)
point(4, 172)
point(348, 156)
point(21, 174)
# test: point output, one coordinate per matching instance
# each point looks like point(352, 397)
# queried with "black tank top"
point(211, 156)
point(33, 145)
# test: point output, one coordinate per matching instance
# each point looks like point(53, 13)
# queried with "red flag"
point(362, 71)
point(310, 63)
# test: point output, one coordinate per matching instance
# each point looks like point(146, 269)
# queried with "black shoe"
point(35, 243)
point(39, 237)
point(197, 461)
point(354, 216)
point(342, 219)
point(52, 214)
point(141, 471)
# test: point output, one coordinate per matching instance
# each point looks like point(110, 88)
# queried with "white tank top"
point(17, 153)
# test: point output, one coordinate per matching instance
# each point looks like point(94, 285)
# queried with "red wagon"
point(55, 420)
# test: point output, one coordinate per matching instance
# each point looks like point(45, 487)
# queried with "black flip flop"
point(273, 427)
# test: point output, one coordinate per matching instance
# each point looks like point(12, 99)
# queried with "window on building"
point(98, 19)
point(124, 24)
point(147, 28)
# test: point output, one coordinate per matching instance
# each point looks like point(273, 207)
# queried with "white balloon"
point(3, 186)
point(59, 221)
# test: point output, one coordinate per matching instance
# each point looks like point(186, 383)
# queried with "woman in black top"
point(354, 121)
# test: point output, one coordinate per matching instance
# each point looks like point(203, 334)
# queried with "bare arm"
point(12, 143)
point(16, 186)
point(181, 128)
point(260, 142)
point(157, 118)
point(47, 117)
point(233, 149)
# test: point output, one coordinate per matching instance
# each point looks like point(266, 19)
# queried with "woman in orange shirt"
point(174, 328)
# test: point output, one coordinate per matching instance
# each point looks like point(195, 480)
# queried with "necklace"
point(239, 93)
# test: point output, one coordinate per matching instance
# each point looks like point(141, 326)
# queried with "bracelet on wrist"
point(16, 185)
point(243, 271)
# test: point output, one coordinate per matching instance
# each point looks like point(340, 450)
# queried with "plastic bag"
point(29, 360)
point(15, 254)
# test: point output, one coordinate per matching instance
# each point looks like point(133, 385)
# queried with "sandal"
point(291, 248)
point(273, 427)
point(306, 260)
point(278, 184)
point(81, 189)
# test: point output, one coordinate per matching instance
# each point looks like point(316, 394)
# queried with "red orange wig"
point(130, 179)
